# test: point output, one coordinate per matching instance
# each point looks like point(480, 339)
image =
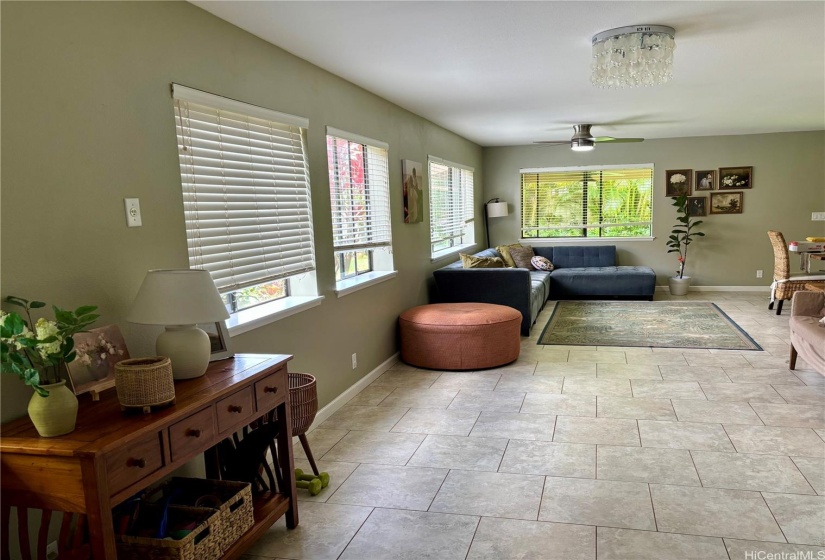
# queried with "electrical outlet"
point(51, 551)
point(132, 212)
point(354, 361)
point(759, 274)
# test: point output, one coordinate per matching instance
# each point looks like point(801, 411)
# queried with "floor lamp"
point(495, 208)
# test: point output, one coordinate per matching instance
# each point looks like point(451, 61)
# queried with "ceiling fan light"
point(581, 145)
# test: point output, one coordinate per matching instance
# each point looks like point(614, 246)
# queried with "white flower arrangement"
point(677, 178)
point(733, 181)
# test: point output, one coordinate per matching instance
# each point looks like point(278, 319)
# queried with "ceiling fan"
point(583, 141)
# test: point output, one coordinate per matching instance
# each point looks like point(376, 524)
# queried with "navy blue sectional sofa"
point(581, 272)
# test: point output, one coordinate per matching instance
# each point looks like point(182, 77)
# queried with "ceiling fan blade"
point(616, 140)
point(553, 142)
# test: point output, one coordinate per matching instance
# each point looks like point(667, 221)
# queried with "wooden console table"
point(112, 455)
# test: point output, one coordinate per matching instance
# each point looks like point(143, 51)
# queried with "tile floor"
point(577, 453)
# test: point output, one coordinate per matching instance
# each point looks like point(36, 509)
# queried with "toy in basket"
point(303, 405)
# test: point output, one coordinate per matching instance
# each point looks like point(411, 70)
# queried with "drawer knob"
point(235, 408)
point(193, 432)
point(272, 390)
point(139, 463)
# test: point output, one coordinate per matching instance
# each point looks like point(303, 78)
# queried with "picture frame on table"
point(219, 342)
point(93, 369)
point(697, 206)
point(735, 178)
point(726, 202)
point(677, 182)
point(705, 180)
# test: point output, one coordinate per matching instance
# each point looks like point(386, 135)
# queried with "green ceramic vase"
point(56, 414)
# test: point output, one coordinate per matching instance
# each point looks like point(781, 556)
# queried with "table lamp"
point(179, 299)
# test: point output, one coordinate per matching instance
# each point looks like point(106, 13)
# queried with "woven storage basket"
point(144, 382)
point(303, 401)
point(234, 503)
point(203, 543)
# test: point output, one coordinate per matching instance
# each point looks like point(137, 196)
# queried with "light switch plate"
point(133, 218)
point(818, 216)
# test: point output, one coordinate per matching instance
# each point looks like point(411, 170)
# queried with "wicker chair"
point(784, 285)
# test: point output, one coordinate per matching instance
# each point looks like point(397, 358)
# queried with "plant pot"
point(56, 414)
point(679, 286)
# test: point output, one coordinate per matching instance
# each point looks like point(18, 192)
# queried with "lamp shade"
point(497, 209)
point(177, 297)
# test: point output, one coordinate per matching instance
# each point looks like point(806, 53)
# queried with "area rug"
point(656, 324)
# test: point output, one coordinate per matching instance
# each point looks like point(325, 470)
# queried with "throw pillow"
point(541, 263)
point(505, 253)
point(470, 261)
point(522, 255)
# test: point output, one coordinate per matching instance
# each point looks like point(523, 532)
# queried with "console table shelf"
point(111, 455)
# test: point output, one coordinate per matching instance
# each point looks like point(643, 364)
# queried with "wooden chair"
point(72, 543)
point(784, 285)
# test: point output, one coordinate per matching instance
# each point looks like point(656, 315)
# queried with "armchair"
point(807, 336)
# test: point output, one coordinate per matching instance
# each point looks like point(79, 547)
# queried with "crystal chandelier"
point(638, 55)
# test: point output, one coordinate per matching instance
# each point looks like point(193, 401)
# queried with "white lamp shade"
point(497, 209)
point(177, 297)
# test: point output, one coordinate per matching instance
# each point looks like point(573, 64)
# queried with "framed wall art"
point(735, 178)
point(705, 180)
point(726, 202)
point(677, 182)
point(413, 193)
point(697, 206)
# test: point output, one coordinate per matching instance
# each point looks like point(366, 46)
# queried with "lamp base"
point(189, 349)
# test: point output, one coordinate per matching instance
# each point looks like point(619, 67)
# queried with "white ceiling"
point(509, 73)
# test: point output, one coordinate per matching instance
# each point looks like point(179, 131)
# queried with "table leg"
point(98, 509)
point(286, 462)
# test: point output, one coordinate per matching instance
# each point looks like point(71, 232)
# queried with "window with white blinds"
point(452, 208)
point(245, 189)
point(605, 201)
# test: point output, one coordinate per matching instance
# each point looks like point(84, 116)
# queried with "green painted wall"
point(788, 184)
point(87, 119)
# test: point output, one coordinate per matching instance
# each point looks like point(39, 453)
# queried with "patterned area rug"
point(657, 324)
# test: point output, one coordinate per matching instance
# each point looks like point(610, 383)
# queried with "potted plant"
point(680, 237)
point(37, 352)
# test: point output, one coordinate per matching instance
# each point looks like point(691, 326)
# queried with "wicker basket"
point(303, 401)
point(232, 499)
point(203, 543)
point(144, 382)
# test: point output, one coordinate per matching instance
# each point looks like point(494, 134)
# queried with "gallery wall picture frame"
point(726, 202)
point(93, 369)
point(412, 179)
point(677, 182)
point(735, 178)
point(704, 180)
point(697, 206)
point(219, 341)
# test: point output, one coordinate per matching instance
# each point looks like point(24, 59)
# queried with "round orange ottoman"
point(460, 336)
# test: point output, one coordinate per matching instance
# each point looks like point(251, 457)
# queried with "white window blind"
point(245, 189)
point(609, 201)
point(452, 208)
point(359, 192)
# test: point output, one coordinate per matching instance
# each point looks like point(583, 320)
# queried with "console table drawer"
point(234, 409)
point(187, 435)
point(134, 461)
point(271, 390)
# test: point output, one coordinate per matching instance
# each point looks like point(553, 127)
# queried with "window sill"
point(260, 315)
point(451, 252)
point(549, 240)
point(352, 285)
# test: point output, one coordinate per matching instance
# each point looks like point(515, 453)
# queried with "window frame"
point(457, 196)
point(584, 238)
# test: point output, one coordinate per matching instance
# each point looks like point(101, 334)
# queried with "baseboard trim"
point(765, 289)
point(353, 390)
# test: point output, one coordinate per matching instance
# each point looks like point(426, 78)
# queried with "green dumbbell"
point(301, 475)
point(314, 485)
